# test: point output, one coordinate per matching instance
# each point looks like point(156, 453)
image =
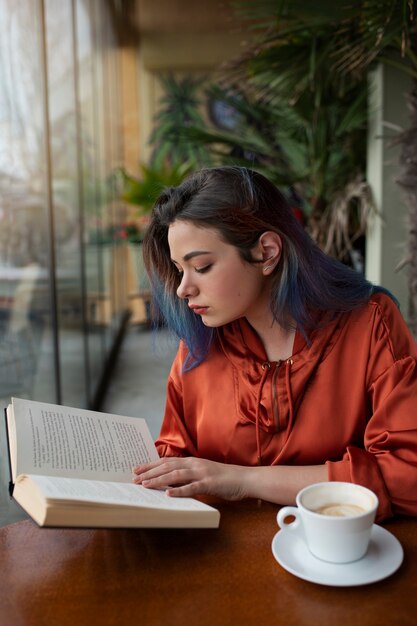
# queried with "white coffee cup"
point(335, 520)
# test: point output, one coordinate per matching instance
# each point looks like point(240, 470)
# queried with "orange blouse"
point(347, 398)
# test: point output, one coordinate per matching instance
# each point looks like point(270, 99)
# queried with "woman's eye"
point(203, 270)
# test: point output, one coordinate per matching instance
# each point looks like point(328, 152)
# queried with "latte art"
point(340, 510)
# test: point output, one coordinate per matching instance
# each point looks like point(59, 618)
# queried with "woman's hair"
point(241, 204)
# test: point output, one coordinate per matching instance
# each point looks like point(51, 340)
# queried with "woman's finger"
point(185, 491)
point(157, 479)
point(140, 469)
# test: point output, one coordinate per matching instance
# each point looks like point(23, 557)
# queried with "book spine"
point(11, 485)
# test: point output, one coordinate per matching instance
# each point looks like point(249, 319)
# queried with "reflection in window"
point(59, 143)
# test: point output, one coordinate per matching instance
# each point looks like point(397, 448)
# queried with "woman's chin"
point(211, 322)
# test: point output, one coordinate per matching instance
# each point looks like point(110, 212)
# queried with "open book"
point(73, 467)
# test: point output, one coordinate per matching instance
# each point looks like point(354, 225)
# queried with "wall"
point(387, 234)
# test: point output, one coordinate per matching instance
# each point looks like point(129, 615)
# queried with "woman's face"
point(218, 284)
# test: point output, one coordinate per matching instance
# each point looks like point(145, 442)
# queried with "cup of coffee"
point(335, 520)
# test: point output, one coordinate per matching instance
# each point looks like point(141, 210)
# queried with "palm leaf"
point(143, 190)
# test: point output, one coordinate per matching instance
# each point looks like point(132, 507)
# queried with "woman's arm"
point(191, 476)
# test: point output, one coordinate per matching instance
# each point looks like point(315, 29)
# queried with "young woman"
point(292, 368)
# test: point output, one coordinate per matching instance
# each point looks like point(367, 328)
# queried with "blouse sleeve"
point(388, 462)
point(174, 438)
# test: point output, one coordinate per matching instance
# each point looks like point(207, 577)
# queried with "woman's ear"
point(270, 247)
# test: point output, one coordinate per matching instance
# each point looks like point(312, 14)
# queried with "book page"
point(76, 490)
point(63, 441)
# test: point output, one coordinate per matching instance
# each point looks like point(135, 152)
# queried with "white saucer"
point(384, 557)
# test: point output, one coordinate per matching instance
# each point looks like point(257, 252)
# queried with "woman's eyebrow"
point(194, 253)
point(191, 255)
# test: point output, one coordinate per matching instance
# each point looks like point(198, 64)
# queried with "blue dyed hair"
point(241, 205)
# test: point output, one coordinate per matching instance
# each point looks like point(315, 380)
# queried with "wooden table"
point(77, 577)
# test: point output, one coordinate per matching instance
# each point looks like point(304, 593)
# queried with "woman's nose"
point(186, 288)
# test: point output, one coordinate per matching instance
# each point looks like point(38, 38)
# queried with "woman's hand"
point(190, 476)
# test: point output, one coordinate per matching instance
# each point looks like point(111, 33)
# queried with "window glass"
point(27, 359)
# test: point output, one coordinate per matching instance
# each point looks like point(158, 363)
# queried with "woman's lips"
point(198, 310)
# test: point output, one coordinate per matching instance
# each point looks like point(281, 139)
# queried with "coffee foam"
point(340, 509)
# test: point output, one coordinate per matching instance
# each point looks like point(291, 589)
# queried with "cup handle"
point(289, 511)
